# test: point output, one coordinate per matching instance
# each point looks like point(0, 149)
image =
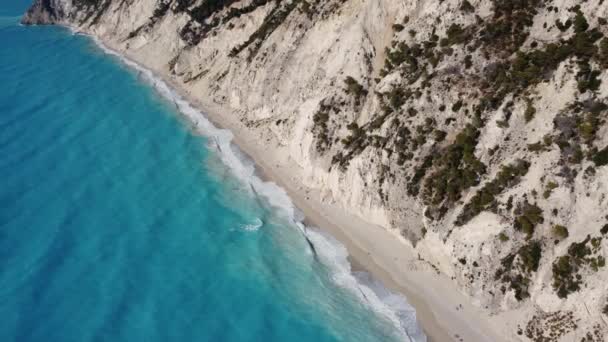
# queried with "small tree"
point(560, 231)
point(530, 111)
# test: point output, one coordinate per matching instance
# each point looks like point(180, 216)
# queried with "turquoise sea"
point(122, 220)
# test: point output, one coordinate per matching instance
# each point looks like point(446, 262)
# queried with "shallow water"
point(119, 222)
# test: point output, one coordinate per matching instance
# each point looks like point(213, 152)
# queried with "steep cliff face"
point(474, 129)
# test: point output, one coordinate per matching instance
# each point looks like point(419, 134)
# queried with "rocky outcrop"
point(43, 12)
point(475, 129)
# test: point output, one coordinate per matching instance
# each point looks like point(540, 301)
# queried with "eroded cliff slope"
point(476, 130)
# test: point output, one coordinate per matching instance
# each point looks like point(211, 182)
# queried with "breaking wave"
point(253, 227)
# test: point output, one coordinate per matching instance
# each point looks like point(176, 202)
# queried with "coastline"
point(442, 311)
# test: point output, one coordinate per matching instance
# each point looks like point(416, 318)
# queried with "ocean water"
point(126, 216)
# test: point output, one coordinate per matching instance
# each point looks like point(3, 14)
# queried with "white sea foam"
point(332, 253)
point(254, 226)
point(391, 306)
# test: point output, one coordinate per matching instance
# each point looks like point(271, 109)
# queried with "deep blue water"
point(119, 223)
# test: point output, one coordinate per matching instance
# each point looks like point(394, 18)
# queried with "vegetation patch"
point(600, 158)
point(455, 169)
point(272, 21)
point(528, 216)
point(355, 89)
point(516, 268)
point(530, 111)
point(485, 198)
point(320, 125)
point(507, 30)
point(577, 129)
point(568, 269)
point(550, 327)
point(549, 189)
point(560, 232)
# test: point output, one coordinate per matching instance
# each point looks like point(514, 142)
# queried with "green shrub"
point(396, 98)
point(320, 129)
point(456, 169)
point(507, 30)
point(566, 276)
point(588, 126)
point(530, 215)
point(530, 255)
point(466, 7)
point(560, 231)
point(413, 186)
point(503, 237)
point(507, 177)
point(587, 78)
point(604, 229)
point(601, 157)
point(603, 53)
point(537, 147)
point(354, 88)
point(549, 189)
point(530, 111)
point(563, 27)
point(455, 35)
point(580, 23)
point(439, 135)
point(564, 281)
point(468, 61)
point(456, 106)
point(502, 123)
point(518, 277)
point(271, 22)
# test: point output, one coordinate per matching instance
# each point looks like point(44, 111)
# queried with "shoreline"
point(427, 291)
point(442, 311)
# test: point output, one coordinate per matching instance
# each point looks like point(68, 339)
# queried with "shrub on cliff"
point(601, 157)
point(466, 7)
point(455, 35)
point(564, 282)
point(484, 199)
point(560, 231)
point(530, 111)
point(517, 275)
point(530, 255)
point(603, 53)
point(457, 169)
point(566, 269)
point(549, 189)
point(529, 216)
